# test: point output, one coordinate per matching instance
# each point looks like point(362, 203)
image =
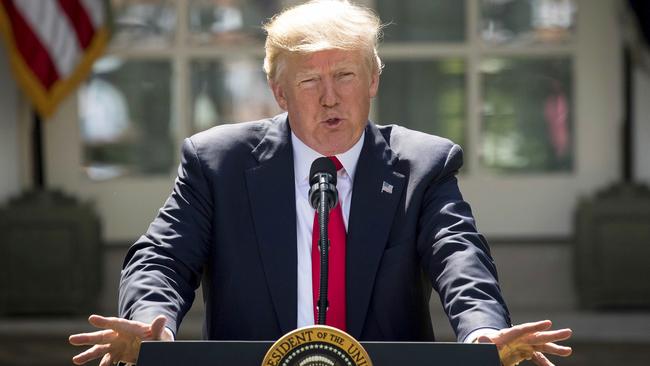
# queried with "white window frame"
point(506, 206)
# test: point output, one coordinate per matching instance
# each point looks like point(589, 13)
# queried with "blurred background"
point(550, 100)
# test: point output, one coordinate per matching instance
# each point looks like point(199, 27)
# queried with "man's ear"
point(278, 93)
point(374, 84)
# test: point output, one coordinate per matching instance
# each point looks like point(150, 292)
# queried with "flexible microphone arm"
point(323, 245)
point(323, 197)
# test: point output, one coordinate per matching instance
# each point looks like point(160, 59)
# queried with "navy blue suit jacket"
point(230, 222)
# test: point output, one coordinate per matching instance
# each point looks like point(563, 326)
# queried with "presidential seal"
point(318, 345)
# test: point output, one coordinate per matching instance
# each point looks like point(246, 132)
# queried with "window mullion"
point(421, 50)
point(473, 80)
point(532, 51)
point(225, 51)
point(181, 60)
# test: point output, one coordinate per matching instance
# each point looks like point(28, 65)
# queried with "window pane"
point(527, 21)
point(229, 21)
point(228, 91)
point(423, 20)
point(428, 96)
point(527, 115)
point(143, 22)
point(125, 110)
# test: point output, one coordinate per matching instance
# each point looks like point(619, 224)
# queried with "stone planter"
point(50, 255)
point(612, 254)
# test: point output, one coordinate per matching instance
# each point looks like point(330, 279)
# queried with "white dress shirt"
point(303, 156)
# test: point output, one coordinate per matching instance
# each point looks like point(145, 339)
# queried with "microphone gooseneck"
point(323, 196)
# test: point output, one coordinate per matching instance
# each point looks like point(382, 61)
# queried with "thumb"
point(484, 339)
point(157, 327)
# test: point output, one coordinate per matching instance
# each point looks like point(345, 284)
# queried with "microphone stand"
point(323, 245)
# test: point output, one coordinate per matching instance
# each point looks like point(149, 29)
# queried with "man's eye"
point(346, 75)
point(307, 80)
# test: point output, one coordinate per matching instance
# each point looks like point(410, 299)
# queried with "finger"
point(554, 349)
point(157, 327)
point(107, 360)
point(541, 360)
point(110, 322)
point(119, 324)
point(548, 336)
point(510, 357)
point(89, 339)
point(484, 339)
point(510, 334)
point(90, 354)
point(95, 319)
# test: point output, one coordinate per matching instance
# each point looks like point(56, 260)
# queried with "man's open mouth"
point(333, 121)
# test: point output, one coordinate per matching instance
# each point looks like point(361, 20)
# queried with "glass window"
point(423, 20)
point(527, 21)
point(143, 23)
point(227, 91)
point(428, 96)
point(525, 119)
point(229, 21)
point(527, 114)
point(125, 110)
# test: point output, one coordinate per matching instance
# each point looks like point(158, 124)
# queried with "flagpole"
point(38, 165)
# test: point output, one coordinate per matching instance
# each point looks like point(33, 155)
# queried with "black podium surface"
point(240, 353)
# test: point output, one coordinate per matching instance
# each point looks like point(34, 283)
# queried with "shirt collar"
point(304, 155)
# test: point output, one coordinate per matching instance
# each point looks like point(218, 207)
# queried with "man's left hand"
point(528, 341)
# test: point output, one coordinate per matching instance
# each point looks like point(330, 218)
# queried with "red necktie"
point(336, 283)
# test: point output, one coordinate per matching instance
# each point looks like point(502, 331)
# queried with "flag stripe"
point(57, 36)
point(30, 47)
point(79, 20)
point(96, 11)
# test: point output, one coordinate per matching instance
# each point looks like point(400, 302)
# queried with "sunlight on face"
point(327, 95)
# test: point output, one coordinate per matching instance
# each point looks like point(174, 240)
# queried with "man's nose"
point(329, 97)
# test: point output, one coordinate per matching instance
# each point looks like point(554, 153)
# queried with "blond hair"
point(322, 25)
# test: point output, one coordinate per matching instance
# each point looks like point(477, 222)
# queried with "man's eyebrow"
point(338, 68)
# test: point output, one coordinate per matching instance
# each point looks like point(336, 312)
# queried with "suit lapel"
point(376, 192)
point(273, 206)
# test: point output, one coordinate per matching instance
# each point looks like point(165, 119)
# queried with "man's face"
point(327, 95)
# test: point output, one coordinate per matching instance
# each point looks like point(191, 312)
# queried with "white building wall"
point(9, 157)
point(642, 125)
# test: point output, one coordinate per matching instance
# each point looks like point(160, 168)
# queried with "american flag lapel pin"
point(386, 188)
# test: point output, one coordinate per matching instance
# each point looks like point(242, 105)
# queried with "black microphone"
point(322, 179)
point(323, 196)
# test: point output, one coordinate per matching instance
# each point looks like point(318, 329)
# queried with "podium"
point(251, 353)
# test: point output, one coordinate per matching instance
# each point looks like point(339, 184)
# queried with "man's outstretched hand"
point(119, 340)
point(529, 341)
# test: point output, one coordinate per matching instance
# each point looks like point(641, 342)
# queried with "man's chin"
point(335, 146)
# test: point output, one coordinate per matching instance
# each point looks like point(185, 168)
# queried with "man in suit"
point(239, 222)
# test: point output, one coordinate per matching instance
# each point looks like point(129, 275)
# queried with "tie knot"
point(336, 162)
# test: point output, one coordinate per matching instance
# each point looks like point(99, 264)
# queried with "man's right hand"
point(119, 340)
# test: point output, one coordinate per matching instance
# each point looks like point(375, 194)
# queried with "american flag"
point(386, 188)
point(52, 45)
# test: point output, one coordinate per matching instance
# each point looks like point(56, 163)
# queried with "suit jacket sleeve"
point(457, 257)
point(163, 268)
